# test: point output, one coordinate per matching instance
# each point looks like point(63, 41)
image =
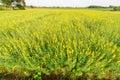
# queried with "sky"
point(72, 3)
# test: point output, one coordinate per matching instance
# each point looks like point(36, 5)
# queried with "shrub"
point(94, 6)
point(20, 7)
point(117, 8)
point(2, 8)
point(32, 6)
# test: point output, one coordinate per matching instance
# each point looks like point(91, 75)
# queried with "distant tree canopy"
point(116, 8)
point(9, 2)
point(95, 6)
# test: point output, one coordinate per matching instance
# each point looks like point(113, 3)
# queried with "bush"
point(2, 8)
point(116, 8)
point(94, 6)
point(20, 7)
point(32, 6)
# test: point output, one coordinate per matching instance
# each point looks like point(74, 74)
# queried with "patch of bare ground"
point(58, 76)
point(12, 76)
point(84, 76)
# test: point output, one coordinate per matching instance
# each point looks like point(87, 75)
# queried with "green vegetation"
point(2, 7)
point(110, 8)
point(20, 4)
point(95, 6)
point(117, 8)
point(60, 44)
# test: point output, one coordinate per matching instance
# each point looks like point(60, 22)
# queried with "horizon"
point(72, 3)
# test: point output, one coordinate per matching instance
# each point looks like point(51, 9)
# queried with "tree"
point(8, 3)
point(116, 8)
point(21, 1)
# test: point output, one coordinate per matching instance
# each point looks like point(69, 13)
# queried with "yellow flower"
point(118, 62)
point(109, 60)
point(113, 50)
point(113, 56)
point(92, 54)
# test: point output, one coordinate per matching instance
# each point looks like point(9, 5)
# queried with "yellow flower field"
point(70, 41)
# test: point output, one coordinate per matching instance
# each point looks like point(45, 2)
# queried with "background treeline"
point(112, 8)
point(117, 8)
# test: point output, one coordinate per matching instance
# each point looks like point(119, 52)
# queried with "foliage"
point(117, 8)
point(2, 7)
point(8, 3)
point(95, 6)
point(18, 6)
point(61, 42)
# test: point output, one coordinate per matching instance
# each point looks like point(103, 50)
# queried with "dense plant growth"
point(68, 43)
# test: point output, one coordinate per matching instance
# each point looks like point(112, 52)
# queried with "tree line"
point(113, 8)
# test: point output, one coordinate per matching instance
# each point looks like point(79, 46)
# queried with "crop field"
point(58, 44)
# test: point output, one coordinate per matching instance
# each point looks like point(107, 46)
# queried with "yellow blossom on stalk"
point(118, 62)
point(102, 69)
point(93, 54)
point(97, 63)
point(109, 60)
point(111, 43)
point(113, 56)
point(43, 58)
point(115, 47)
point(113, 50)
point(70, 51)
point(92, 35)
point(64, 46)
point(74, 42)
point(90, 61)
point(48, 55)
point(14, 67)
point(88, 53)
point(101, 57)
point(80, 42)
point(102, 66)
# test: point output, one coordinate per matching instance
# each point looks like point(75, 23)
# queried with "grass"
point(69, 43)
